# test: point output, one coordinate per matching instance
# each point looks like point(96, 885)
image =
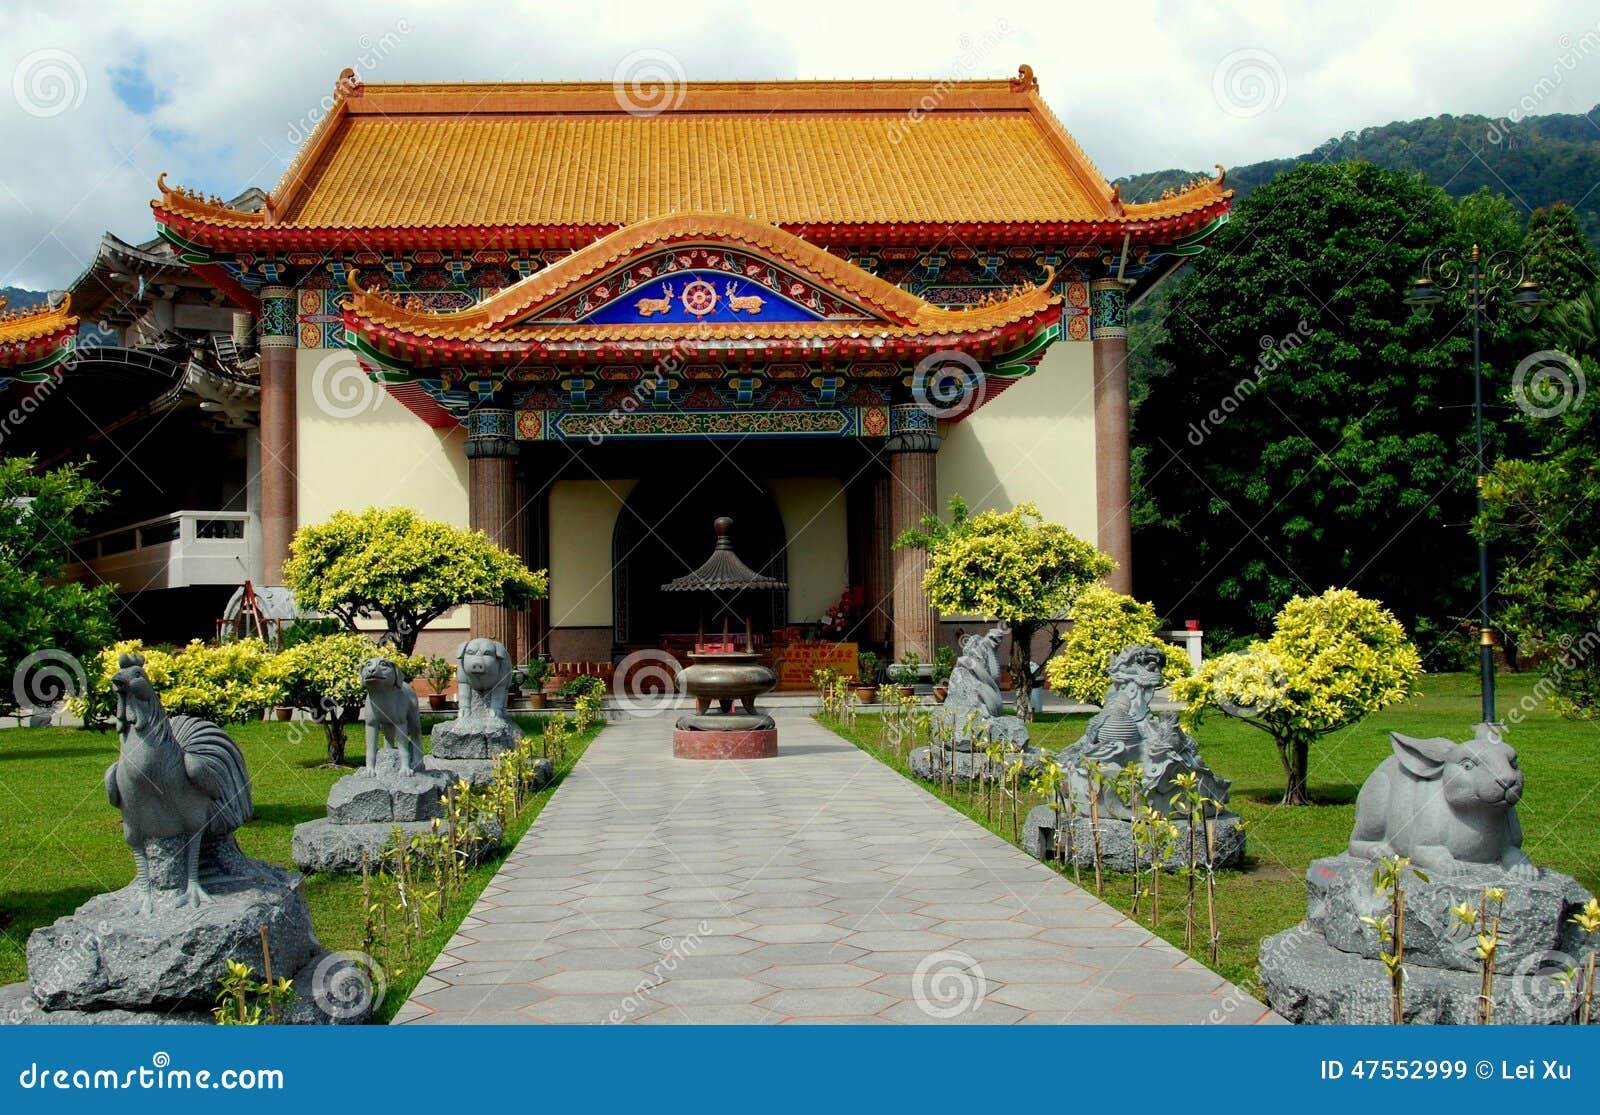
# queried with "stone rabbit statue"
point(1448, 807)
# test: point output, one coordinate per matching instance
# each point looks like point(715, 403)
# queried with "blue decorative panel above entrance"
point(688, 297)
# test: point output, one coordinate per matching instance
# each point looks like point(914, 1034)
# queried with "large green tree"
point(1559, 257)
point(393, 563)
point(1543, 519)
point(48, 629)
point(1312, 429)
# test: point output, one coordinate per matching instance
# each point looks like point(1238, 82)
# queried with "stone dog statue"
point(391, 710)
point(485, 671)
point(1448, 807)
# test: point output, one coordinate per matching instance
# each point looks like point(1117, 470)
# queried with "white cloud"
point(233, 86)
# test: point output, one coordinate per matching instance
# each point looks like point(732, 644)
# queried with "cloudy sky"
point(102, 100)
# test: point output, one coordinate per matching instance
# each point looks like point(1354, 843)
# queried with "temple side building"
point(821, 308)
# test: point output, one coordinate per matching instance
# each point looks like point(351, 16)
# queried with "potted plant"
point(536, 671)
point(904, 673)
point(437, 672)
point(867, 677)
point(944, 662)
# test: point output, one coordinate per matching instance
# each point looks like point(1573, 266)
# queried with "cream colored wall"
point(1034, 442)
point(813, 512)
point(583, 515)
point(358, 448)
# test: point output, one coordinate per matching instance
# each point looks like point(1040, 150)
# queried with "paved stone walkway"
point(819, 886)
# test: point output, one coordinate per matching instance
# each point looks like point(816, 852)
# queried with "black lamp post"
point(1482, 279)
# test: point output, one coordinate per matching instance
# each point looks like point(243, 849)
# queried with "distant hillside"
point(1540, 160)
point(21, 298)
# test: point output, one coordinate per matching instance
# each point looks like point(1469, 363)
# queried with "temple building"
point(820, 308)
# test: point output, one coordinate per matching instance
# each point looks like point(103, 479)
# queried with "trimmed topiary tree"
point(1331, 660)
point(1104, 622)
point(322, 675)
point(392, 563)
point(230, 683)
point(1012, 566)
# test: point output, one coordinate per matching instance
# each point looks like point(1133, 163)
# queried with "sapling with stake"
point(1388, 880)
point(1097, 782)
point(1190, 799)
point(1486, 920)
point(1588, 920)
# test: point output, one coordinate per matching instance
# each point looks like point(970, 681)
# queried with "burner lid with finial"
point(723, 571)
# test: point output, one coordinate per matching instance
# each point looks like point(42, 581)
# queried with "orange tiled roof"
point(36, 322)
point(803, 155)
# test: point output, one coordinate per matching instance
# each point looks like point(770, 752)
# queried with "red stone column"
point(913, 449)
point(492, 506)
point(1113, 490)
point(278, 430)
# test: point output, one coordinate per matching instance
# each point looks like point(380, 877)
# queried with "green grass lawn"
point(1560, 809)
point(61, 842)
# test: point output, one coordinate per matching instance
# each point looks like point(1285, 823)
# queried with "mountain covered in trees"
point(19, 298)
point(1534, 162)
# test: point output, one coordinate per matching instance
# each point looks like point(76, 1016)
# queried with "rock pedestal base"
point(321, 845)
point(479, 773)
point(365, 809)
point(111, 962)
point(755, 744)
point(1326, 970)
point(479, 738)
point(967, 766)
point(1117, 843)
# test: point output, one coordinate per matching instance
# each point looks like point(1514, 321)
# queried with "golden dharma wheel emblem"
point(699, 298)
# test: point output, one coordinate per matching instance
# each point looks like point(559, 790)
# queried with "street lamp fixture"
point(1481, 279)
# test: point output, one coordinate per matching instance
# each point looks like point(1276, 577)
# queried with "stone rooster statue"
point(181, 785)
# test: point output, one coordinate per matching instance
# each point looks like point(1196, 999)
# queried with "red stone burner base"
point(759, 744)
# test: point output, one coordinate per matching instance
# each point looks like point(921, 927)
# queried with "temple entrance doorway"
point(664, 531)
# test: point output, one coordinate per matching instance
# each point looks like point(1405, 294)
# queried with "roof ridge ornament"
point(1025, 82)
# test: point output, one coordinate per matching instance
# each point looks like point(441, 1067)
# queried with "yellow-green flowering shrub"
point(323, 676)
point(228, 683)
point(1013, 566)
point(1104, 622)
point(1331, 660)
point(393, 563)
